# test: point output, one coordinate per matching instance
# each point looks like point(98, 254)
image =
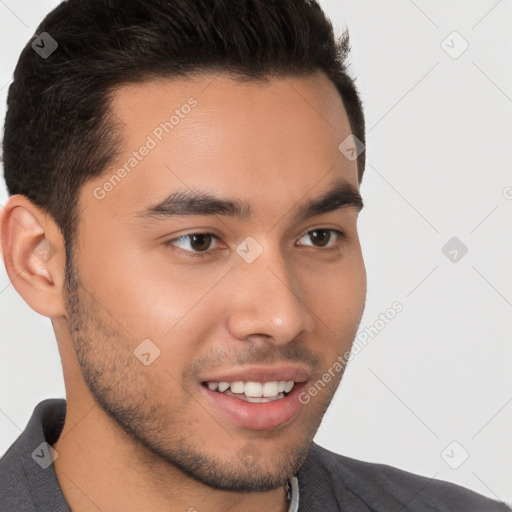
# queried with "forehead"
point(252, 112)
point(314, 91)
point(240, 139)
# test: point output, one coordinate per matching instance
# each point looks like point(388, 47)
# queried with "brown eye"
point(200, 242)
point(322, 237)
point(197, 243)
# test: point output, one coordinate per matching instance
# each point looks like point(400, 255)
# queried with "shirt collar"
point(293, 494)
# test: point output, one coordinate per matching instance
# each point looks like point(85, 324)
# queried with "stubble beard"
point(95, 334)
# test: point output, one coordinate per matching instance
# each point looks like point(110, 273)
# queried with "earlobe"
point(33, 253)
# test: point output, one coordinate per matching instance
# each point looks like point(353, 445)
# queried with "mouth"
point(253, 392)
point(256, 398)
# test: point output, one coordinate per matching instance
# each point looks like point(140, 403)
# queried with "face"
point(259, 284)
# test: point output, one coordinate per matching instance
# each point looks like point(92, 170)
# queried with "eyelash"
point(207, 253)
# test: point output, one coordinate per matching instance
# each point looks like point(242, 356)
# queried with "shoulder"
point(27, 478)
point(380, 487)
point(14, 488)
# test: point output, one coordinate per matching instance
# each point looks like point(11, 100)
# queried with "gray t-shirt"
point(326, 482)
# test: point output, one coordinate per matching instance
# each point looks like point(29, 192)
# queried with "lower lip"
point(262, 416)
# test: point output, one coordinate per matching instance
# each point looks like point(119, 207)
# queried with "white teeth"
point(270, 389)
point(254, 389)
point(223, 386)
point(238, 387)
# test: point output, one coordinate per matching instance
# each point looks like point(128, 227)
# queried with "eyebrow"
point(183, 203)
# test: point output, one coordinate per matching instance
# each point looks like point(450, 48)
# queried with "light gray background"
point(438, 166)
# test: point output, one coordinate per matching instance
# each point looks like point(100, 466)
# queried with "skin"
point(131, 430)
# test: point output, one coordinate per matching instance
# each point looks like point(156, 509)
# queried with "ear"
point(34, 255)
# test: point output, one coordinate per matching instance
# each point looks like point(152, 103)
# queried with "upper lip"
point(261, 374)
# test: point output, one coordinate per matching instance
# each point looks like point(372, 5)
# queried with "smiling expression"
point(229, 250)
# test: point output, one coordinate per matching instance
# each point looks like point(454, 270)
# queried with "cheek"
point(144, 294)
point(338, 306)
point(338, 294)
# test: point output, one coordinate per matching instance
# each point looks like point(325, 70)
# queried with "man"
point(181, 210)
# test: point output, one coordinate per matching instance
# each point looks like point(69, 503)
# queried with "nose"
point(266, 300)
